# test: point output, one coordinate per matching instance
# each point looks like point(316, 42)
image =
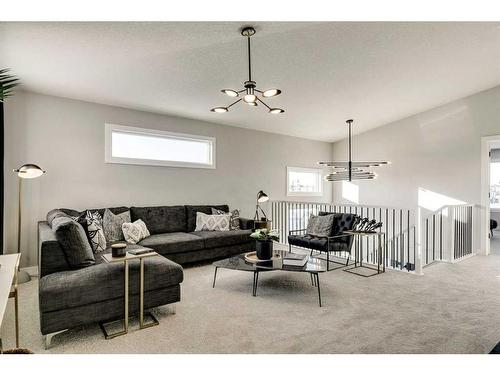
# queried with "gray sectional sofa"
point(72, 297)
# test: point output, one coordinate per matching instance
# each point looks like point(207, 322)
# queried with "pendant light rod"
point(249, 60)
point(349, 122)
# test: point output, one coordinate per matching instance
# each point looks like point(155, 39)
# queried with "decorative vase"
point(264, 249)
point(119, 249)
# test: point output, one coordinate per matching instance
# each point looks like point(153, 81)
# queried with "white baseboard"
point(32, 271)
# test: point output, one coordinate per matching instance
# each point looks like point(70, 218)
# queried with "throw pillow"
point(320, 226)
point(134, 232)
point(206, 222)
point(53, 214)
point(71, 236)
point(112, 225)
point(324, 226)
point(95, 231)
point(234, 223)
point(311, 225)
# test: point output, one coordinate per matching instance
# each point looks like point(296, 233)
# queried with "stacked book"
point(295, 260)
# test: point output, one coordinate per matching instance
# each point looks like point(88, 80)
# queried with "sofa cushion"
point(75, 213)
point(103, 282)
point(161, 219)
point(229, 238)
point(168, 243)
point(73, 240)
point(192, 210)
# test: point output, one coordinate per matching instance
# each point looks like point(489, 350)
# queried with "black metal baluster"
point(433, 237)
point(426, 241)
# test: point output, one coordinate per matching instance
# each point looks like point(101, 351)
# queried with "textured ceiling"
point(373, 72)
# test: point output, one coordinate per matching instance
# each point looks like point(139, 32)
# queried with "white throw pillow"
point(206, 222)
point(134, 232)
point(234, 223)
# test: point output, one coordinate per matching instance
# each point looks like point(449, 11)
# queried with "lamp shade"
point(29, 171)
point(262, 197)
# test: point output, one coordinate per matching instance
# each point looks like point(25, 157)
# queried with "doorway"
point(490, 195)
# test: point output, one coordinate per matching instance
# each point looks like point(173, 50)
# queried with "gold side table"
point(108, 258)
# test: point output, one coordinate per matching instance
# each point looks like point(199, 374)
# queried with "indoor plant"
point(7, 84)
point(264, 242)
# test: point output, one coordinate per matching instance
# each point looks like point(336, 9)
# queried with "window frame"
point(108, 152)
point(304, 193)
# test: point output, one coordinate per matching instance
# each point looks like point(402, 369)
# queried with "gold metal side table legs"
point(154, 322)
point(142, 325)
point(14, 294)
point(125, 317)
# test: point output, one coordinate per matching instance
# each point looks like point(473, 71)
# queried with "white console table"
point(9, 265)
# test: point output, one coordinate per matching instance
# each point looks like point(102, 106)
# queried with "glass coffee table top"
point(239, 262)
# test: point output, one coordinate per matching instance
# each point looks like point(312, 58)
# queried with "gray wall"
point(66, 138)
point(438, 150)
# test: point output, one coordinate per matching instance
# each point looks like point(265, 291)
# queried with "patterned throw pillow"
point(320, 226)
point(311, 225)
point(212, 222)
point(136, 231)
point(95, 231)
point(113, 225)
point(234, 223)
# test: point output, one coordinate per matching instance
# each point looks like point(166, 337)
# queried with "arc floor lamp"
point(26, 171)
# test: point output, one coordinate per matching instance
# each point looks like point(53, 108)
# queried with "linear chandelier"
point(351, 170)
point(250, 87)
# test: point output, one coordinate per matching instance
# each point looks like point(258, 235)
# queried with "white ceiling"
point(373, 72)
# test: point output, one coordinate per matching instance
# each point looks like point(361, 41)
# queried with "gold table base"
point(142, 325)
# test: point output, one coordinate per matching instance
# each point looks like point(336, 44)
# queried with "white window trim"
point(109, 158)
point(304, 193)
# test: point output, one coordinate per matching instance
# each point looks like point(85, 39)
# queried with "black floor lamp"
point(26, 171)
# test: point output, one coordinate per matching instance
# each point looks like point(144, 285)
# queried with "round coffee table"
point(314, 267)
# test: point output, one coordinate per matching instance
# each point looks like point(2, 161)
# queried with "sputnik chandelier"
point(250, 90)
point(351, 170)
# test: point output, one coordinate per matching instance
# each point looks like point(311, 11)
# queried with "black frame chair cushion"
point(335, 242)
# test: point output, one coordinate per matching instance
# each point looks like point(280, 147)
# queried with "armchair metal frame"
point(328, 238)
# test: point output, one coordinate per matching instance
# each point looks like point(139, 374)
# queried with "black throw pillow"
point(74, 243)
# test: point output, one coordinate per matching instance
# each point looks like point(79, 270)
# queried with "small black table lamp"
point(261, 198)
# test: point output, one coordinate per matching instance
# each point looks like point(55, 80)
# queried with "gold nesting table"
point(125, 260)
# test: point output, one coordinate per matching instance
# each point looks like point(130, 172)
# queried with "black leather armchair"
point(337, 241)
point(493, 225)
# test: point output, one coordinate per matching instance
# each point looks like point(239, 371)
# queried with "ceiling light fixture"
point(351, 170)
point(250, 87)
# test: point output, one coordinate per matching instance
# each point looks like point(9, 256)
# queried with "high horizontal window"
point(130, 145)
point(304, 181)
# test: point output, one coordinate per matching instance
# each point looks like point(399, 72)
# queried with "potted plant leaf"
point(264, 242)
point(7, 84)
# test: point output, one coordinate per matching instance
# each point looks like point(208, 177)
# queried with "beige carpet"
point(452, 309)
